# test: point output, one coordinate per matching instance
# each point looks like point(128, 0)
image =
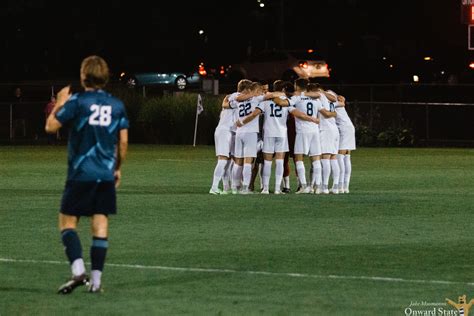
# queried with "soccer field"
point(404, 234)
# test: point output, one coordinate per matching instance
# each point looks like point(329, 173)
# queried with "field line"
point(266, 273)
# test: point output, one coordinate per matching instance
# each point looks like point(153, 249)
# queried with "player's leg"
point(279, 158)
point(98, 251)
point(342, 169)
point(75, 197)
point(316, 175)
point(250, 153)
point(73, 249)
point(238, 164)
point(227, 178)
point(219, 171)
point(267, 171)
point(286, 173)
point(326, 171)
point(347, 174)
point(335, 171)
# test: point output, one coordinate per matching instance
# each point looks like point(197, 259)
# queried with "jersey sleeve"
point(294, 99)
point(124, 122)
point(69, 110)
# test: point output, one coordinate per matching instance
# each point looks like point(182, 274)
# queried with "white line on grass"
point(267, 273)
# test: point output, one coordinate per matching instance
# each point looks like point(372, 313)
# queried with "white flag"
point(199, 105)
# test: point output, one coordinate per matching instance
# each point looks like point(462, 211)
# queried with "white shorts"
point(275, 145)
point(245, 145)
point(224, 142)
point(308, 144)
point(347, 138)
point(330, 141)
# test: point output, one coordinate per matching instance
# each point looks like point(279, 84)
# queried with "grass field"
point(404, 234)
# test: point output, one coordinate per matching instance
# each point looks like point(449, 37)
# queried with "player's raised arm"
point(226, 103)
point(52, 124)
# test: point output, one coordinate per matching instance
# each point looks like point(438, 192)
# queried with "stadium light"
point(416, 78)
point(471, 65)
point(262, 4)
point(201, 32)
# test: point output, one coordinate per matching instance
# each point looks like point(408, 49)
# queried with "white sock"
point(218, 173)
point(236, 176)
point(226, 179)
point(342, 170)
point(335, 174)
point(77, 267)
point(316, 176)
point(347, 175)
point(301, 173)
point(279, 174)
point(267, 171)
point(260, 174)
point(96, 276)
point(326, 165)
point(246, 174)
point(286, 181)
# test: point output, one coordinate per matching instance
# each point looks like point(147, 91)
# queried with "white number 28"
point(101, 115)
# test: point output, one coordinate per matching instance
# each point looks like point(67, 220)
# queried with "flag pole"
point(198, 111)
point(195, 129)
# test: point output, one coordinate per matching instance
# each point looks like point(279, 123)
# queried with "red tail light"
point(222, 71)
point(202, 71)
point(303, 64)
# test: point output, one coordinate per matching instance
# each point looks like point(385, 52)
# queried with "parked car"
point(173, 80)
point(281, 64)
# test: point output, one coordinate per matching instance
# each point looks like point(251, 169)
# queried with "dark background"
point(48, 39)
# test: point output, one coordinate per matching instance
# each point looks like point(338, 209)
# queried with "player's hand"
point(315, 119)
point(118, 177)
point(63, 95)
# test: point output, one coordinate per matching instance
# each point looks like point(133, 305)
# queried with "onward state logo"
point(461, 308)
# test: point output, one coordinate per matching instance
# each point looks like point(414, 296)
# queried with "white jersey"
point(244, 109)
point(310, 107)
point(342, 118)
point(275, 117)
point(227, 116)
point(327, 122)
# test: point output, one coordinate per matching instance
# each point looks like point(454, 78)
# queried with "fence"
point(434, 114)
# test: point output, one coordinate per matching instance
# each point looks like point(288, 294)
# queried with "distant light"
point(259, 1)
point(442, 72)
point(391, 66)
point(201, 32)
point(416, 78)
point(471, 65)
point(122, 74)
point(262, 4)
point(428, 58)
point(310, 50)
point(384, 58)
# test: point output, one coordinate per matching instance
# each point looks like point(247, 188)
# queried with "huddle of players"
point(324, 133)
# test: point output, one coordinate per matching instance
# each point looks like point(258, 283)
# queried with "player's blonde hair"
point(94, 72)
point(243, 84)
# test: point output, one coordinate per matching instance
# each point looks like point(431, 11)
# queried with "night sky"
point(47, 39)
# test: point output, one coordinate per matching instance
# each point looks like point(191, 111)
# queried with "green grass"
point(409, 216)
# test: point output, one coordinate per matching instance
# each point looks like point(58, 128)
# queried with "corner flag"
point(199, 109)
point(199, 105)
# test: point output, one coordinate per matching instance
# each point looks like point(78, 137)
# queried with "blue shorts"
point(86, 198)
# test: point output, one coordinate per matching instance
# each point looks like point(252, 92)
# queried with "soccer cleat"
point(264, 192)
point(304, 190)
point(325, 191)
point(235, 191)
point(93, 289)
point(334, 191)
point(226, 192)
point(317, 190)
point(214, 192)
point(74, 282)
point(346, 190)
point(278, 192)
point(286, 190)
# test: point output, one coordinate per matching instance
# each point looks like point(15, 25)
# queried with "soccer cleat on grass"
point(93, 289)
point(225, 192)
point(278, 192)
point(304, 190)
point(286, 190)
point(74, 282)
point(317, 190)
point(264, 192)
point(214, 192)
point(334, 191)
point(346, 190)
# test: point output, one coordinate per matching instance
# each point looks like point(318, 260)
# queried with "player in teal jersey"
point(97, 146)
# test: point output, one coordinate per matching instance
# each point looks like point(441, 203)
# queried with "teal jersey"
point(94, 119)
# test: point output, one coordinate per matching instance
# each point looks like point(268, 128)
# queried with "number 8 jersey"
point(94, 119)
